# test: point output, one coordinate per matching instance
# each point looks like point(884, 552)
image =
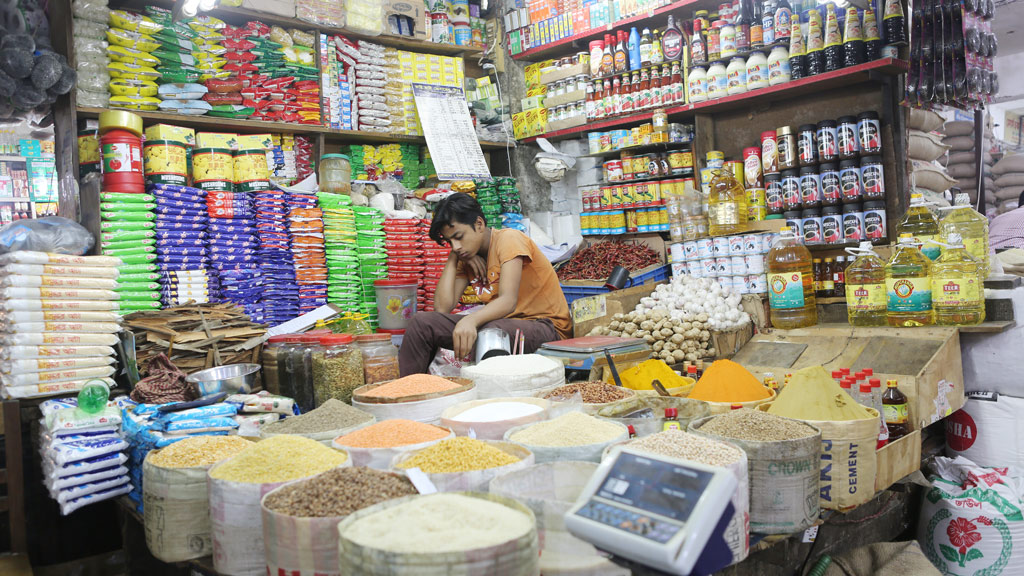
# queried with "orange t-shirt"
point(540, 295)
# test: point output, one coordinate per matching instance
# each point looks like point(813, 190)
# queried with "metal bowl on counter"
point(232, 378)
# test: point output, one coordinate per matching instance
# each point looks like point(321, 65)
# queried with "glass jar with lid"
point(338, 371)
point(335, 174)
point(285, 385)
point(298, 368)
point(269, 361)
point(380, 357)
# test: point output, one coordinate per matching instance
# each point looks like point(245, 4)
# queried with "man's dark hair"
point(456, 209)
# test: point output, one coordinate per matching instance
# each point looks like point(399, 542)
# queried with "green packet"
point(128, 216)
point(136, 286)
point(127, 225)
point(175, 44)
point(129, 306)
point(133, 251)
point(124, 197)
point(231, 111)
point(174, 58)
point(127, 235)
point(127, 207)
point(109, 246)
point(179, 75)
point(137, 268)
point(122, 296)
point(138, 258)
point(139, 277)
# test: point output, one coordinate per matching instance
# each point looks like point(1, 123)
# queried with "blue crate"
point(577, 292)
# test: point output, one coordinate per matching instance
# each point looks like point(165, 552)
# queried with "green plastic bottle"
point(963, 219)
point(958, 296)
point(93, 397)
point(865, 288)
point(908, 284)
point(920, 223)
point(791, 283)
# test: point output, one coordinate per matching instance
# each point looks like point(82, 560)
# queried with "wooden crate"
point(924, 361)
point(898, 459)
point(593, 311)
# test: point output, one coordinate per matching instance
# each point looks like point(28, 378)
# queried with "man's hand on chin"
point(463, 337)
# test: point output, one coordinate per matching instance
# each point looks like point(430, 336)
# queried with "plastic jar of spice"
point(338, 370)
point(380, 357)
point(335, 174)
point(269, 360)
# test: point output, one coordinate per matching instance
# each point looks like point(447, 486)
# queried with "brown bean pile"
point(338, 492)
point(596, 392)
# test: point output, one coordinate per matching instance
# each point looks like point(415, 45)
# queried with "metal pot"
point(492, 342)
point(233, 378)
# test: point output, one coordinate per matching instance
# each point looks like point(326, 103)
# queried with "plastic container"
point(380, 357)
point(920, 223)
point(958, 296)
point(122, 161)
point(727, 205)
point(337, 369)
point(335, 174)
point(865, 289)
point(396, 303)
point(269, 360)
point(908, 284)
point(791, 283)
point(972, 227)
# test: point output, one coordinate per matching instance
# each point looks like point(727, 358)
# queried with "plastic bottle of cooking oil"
point(908, 283)
point(957, 293)
point(921, 224)
point(865, 288)
point(791, 283)
point(727, 205)
point(972, 227)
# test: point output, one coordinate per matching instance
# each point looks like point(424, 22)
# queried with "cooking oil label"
point(929, 249)
point(976, 247)
point(909, 294)
point(896, 413)
point(956, 291)
point(865, 297)
point(786, 290)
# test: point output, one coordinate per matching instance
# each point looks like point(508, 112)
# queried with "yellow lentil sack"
point(466, 464)
point(238, 485)
point(175, 495)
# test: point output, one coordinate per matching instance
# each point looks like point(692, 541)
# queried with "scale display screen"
point(654, 486)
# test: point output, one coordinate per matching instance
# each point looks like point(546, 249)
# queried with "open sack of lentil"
point(324, 423)
point(550, 490)
point(175, 495)
point(782, 466)
point(589, 396)
point(726, 385)
point(521, 375)
point(419, 397)
point(489, 419)
point(646, 412)
point(571, 436)
point(300, 519)
point(377, 445)
point(465, 464)
point(238, 485)
point(451, 533)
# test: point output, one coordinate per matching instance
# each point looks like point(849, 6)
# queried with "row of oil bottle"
point(935, 274)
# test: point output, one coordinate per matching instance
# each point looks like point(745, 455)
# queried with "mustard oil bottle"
point(865, 288)
point(958, 297)
point(921, 224)
point(972, 227)
point(908, 285)
point(727, 205)
point(791, 283)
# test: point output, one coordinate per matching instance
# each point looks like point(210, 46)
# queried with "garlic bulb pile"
point(677, 319)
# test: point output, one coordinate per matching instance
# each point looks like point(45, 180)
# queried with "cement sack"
point(971, 522)
point(848, 463)
point(176, 505)
point(991, 362)
point(987, 430)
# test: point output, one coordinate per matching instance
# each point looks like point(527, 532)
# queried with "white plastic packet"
point(76, 419)
point(64, 496)
point(65, 482)
point(51, 338)
point(46, 304)
point(84, 449)
point(72, 505)
point(60, 270)
point(56, 376)
point(52, 470)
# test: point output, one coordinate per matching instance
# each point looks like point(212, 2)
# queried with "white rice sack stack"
point(59, 312)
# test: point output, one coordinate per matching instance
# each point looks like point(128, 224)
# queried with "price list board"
point(449, 131)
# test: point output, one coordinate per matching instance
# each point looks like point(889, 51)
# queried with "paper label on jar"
point(956, 291)
point(779, 71)
point(786, 290)
point(909, 294)
point(865, 297)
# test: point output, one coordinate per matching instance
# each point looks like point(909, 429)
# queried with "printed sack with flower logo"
point(971, 521)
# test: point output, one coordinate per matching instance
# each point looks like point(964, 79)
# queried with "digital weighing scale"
point(666, 513)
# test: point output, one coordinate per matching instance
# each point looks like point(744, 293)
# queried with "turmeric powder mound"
point(813, 395)
point(639, 377)
point(727, 381)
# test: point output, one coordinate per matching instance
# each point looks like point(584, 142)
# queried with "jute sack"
point(924, 146)
point(1009, 193)
point(1010, 179)
point(958, 128)
point(959, 143)
point(961, 170)
point(925, 120)
point(1009, 164)
point(176, 511)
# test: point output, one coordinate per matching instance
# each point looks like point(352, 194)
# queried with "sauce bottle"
point(797, 51)
point(698, 49)
point(677, 81)
point(919, 222)
point(839, 277)
point(672, 41)
point(621, 55)
point(743, 27)
point(815, 44)
point(671, 420)
point(957, 293)
point(657, 56)
point(894, 23)
point(828, 284)
point(897, 412)
point(790, 283)
point(783, 13)
point(768, 22)
point(819, 274)
point(908, 285)
point(853, 39)
point(756, 25)
point(833, 41)
point(872, 40)
point(608, 56)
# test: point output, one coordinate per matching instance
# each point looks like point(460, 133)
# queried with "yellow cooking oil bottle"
point(921, 224)
point(865, 288)
point(727, 205)
point(791, 283)
point(972, 227)
point(958, 296)
point(908, 285)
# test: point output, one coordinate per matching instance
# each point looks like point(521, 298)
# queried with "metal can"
point(786, 143)
point(613, 171)
point(631, 221)
point(606, 197)
point(640, 167)
point(654, 192)
point(773, 193)
point(616, 196)
point(680, 161)
point(715, 159)
point(736, 167)
point(628, 193)
point(757, 213)
point(627, 166)
point(752, 177)
point(769, 152)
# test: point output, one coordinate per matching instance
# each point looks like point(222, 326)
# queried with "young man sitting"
point(512, 277)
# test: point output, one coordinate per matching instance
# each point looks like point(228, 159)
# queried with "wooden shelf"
point(990, 327)
point(213, 123)
point(804, 86)
point(656, 147)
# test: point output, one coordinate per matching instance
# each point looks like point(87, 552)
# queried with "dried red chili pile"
point(596, 262)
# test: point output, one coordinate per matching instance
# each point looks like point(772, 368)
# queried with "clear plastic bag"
point(89, 29)
point(90, 50)
point(320, 13)
point(49, 234)
point(92, 80)
point(365, 17)
point(92, 10)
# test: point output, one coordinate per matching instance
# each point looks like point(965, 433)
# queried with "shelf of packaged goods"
point(238, 15)
point(213, 123)
point(656, 147)
point(633, 233)
point(804, 86)
point(658, 204)
point(653, 17)
point(650, 179)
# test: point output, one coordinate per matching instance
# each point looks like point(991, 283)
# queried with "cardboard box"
point(172, 133)
point(532, 102)
point(568, 98)
point(415, 11)
point(563, 73)
point(925, 362)
point(279, 7)
point(217, 140)
point(898, 459)
point(592, 311)
point(255, 141)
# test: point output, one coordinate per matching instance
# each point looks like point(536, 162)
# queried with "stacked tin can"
point(736, 261)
